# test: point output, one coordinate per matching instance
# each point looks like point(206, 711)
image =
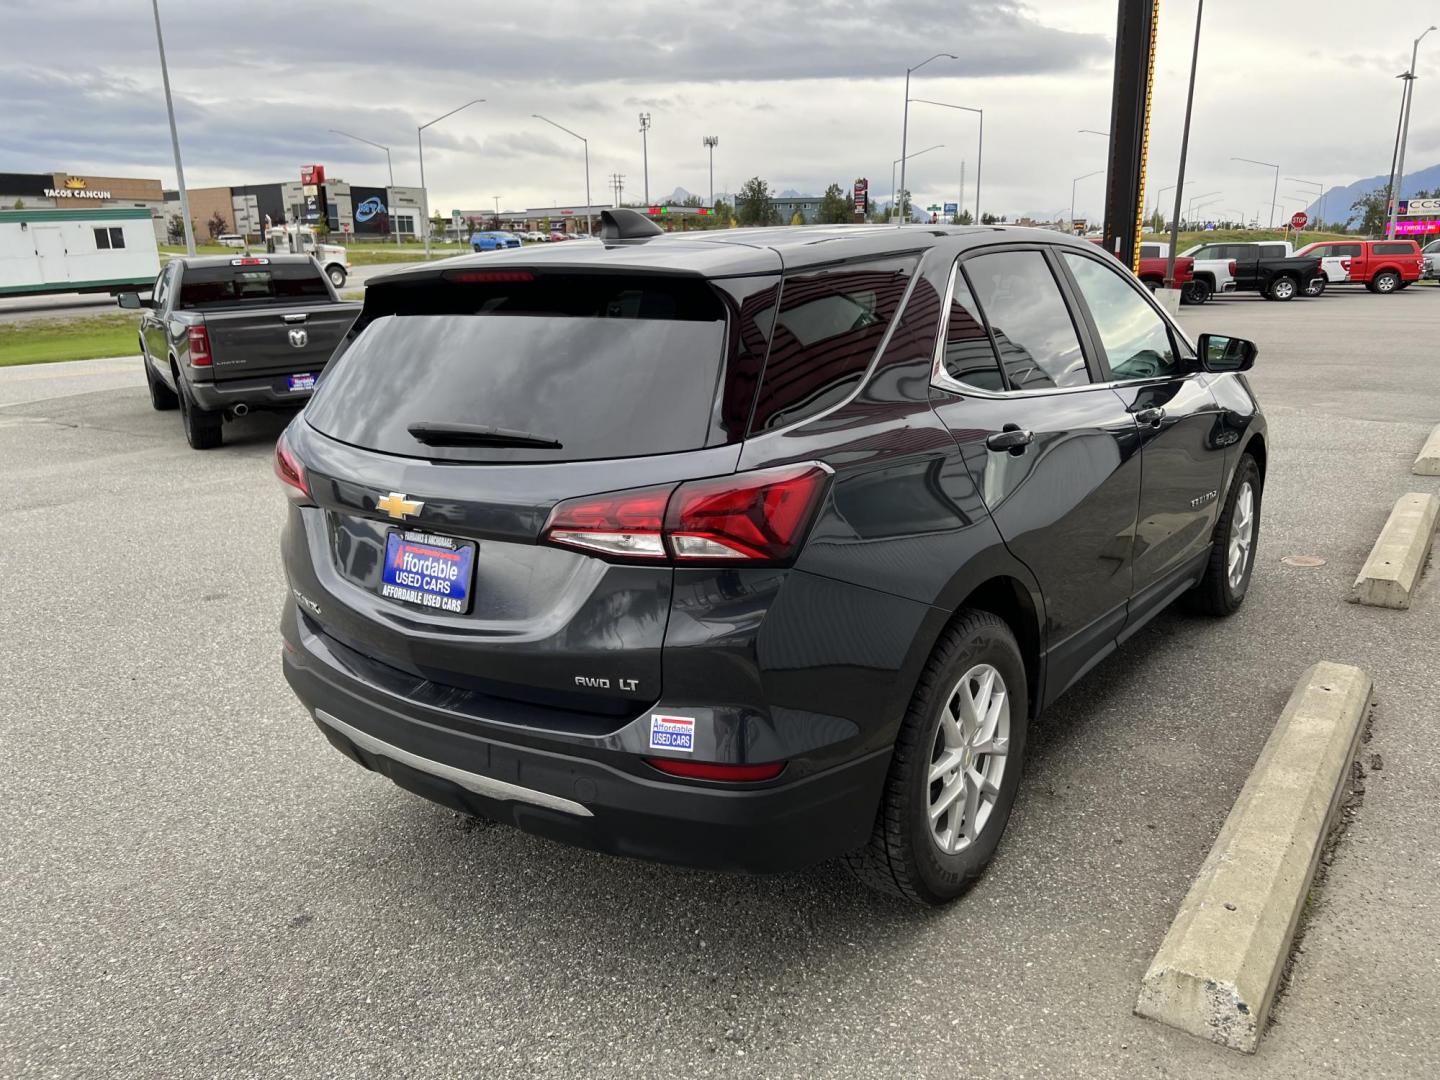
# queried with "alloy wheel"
point(1242, 533)
point(968, 759)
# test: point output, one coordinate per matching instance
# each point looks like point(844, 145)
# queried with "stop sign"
point(1299, 220)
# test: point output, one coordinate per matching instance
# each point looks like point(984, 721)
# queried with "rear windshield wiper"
point(477, 435)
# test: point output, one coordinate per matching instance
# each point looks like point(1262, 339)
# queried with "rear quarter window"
point(827, 326)
point(1406, 248)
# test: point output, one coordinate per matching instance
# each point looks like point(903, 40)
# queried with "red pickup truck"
point(1153, 259)
point(1382, 266)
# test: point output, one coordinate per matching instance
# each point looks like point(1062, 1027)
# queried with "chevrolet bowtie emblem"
point(399, 506)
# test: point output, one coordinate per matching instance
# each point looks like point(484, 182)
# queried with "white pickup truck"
point(301, 240)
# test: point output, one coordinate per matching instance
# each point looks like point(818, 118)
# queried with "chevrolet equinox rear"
point(752, 549)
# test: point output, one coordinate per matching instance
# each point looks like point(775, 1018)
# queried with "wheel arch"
point(1256, 448)
point(1010, 599)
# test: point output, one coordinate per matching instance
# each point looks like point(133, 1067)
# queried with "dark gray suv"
point(753, 548)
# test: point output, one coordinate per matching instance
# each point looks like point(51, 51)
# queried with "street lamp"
point(711, 141)
point(420, 145)
point(645, 150)
point(1394, 208)
point(174, 137)
point(905, 123)
point(389, 195)
point(894, 196)
point(589, 224)
point(979, 153)
point(1276, 191)
point(1190, 206)
point(1073, 183)
point(1092, 131)
point(1319, 187)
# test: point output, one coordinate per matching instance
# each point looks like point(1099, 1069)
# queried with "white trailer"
point(61, 251)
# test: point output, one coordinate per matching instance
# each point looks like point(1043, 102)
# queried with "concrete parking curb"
point(1216, 971)
point(1396, 561)
point(1428, 463)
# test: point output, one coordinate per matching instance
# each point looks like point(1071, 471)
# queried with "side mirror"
point(133, 302)
point(1220, 354)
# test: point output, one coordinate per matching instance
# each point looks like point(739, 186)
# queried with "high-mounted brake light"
point(290, 471)
point(485, 277)
point(754, 517)
point(705, 770)
point(199, 339)
point(250, 262)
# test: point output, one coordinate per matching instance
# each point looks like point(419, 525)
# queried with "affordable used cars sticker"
point(672, 733)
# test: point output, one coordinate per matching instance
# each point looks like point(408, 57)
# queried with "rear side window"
point(1395, 249)
point(604, 365)
point(204, 286)
point(1346, 251)
point(827, 327)
point(1272, 251)
point(969, 355)
point(1149, 251)
point(1039, 347)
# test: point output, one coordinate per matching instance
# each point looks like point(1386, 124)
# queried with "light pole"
point(1073, 183)
point(895, 195)
point(645, 150)
point(174, 136)
point(420, 145)
point(1190, 205)
point(589, 224)
point(1404, 137)
point(389, 195)
point(1184, 152)
point(980, 151)
point(905, 123)
point(1276, 191)
point(1320, 214)
point(712, 141)
point(1092, 131)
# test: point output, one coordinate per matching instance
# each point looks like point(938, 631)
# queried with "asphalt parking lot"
point(194, 884)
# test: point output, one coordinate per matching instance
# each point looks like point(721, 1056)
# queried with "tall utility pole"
point(589, 222)
point(420, 145)
point(1404, 137)
point(905, 123)
point(617, 185)
point(1184, 148)
point(390, 194)
point(645, 150)
point(174, 136)
point(1395, 154)
point(980, 146)
point(960, 206)
point(1274, 194)
point(712, 141)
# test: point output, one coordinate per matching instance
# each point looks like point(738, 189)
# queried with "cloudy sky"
point(801, 94)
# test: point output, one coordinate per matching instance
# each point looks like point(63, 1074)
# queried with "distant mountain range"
point(1337, 200)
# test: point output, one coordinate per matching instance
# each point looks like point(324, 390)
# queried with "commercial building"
point(572, 219)
point(350, 209)
point(77, 191)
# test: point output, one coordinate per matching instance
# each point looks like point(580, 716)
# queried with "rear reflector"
point(705, 770)
point(199, 347)
point(290, 471)
point(479, 277)
point(755, 517)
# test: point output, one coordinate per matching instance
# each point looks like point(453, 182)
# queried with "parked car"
point(1430, 253)
point(231, 240)
point(559, 234)
point(222, 336)
point(1276, 276)
point(494, 241)
point(535, 237)
point(1213, 261)
point(804, 529)
point(1154, 264)
point(1382, 266)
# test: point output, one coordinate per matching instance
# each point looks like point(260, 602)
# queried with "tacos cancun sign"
point(75, 188)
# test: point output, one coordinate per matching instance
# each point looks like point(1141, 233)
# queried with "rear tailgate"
point(278, 340)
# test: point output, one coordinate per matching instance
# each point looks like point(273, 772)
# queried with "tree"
point(175, 229)
point(836, 208)
point(19, 204)
point(437, 224)
point(797, 218)
point(754, 206)
point(1370, 209)
point(693, 200)
point(988, 218)
point(722, 212)
point(216, 225)
point(904, 201)
point(964, 217)
point(322, 228)
point(1156, 221)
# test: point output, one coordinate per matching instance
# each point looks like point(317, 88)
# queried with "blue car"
point(493, 241)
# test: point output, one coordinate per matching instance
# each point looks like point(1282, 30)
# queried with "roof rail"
point(622, 224)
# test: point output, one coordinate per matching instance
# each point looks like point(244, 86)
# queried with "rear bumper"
point(270, 392)
point(610, 801)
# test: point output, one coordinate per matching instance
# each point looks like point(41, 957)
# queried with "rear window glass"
point(1273, 251)
point(202, 286)
point(1395, 249)
point(605, 365)
point(827, 327)
point(1150, 251)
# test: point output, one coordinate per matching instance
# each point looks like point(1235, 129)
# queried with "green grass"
point(45, 341)
point(1238, 236)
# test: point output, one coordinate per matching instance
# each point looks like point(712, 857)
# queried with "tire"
point(1282, 287)
point(1151, 284)
point(904, 856)
point(1317, 286)
point(1221, 591)
point(162, 398)
point(1387, 281)
point(336, 274)
point(1196, 292)
point(202, 426)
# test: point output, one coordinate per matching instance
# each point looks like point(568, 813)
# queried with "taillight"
point(705, 770)
point(1232, 267)
point(290, 471)
point(199, 346)
point(755, 517)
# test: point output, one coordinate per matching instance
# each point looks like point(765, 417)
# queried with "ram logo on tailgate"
point(299, 338)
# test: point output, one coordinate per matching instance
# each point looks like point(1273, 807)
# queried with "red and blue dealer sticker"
point(672, 733)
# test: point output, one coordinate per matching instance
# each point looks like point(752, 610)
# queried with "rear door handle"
point(1152, 415)
point(1012, 438)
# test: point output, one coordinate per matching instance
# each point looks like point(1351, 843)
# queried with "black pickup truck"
point(221, 336)
point(1274, 276)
